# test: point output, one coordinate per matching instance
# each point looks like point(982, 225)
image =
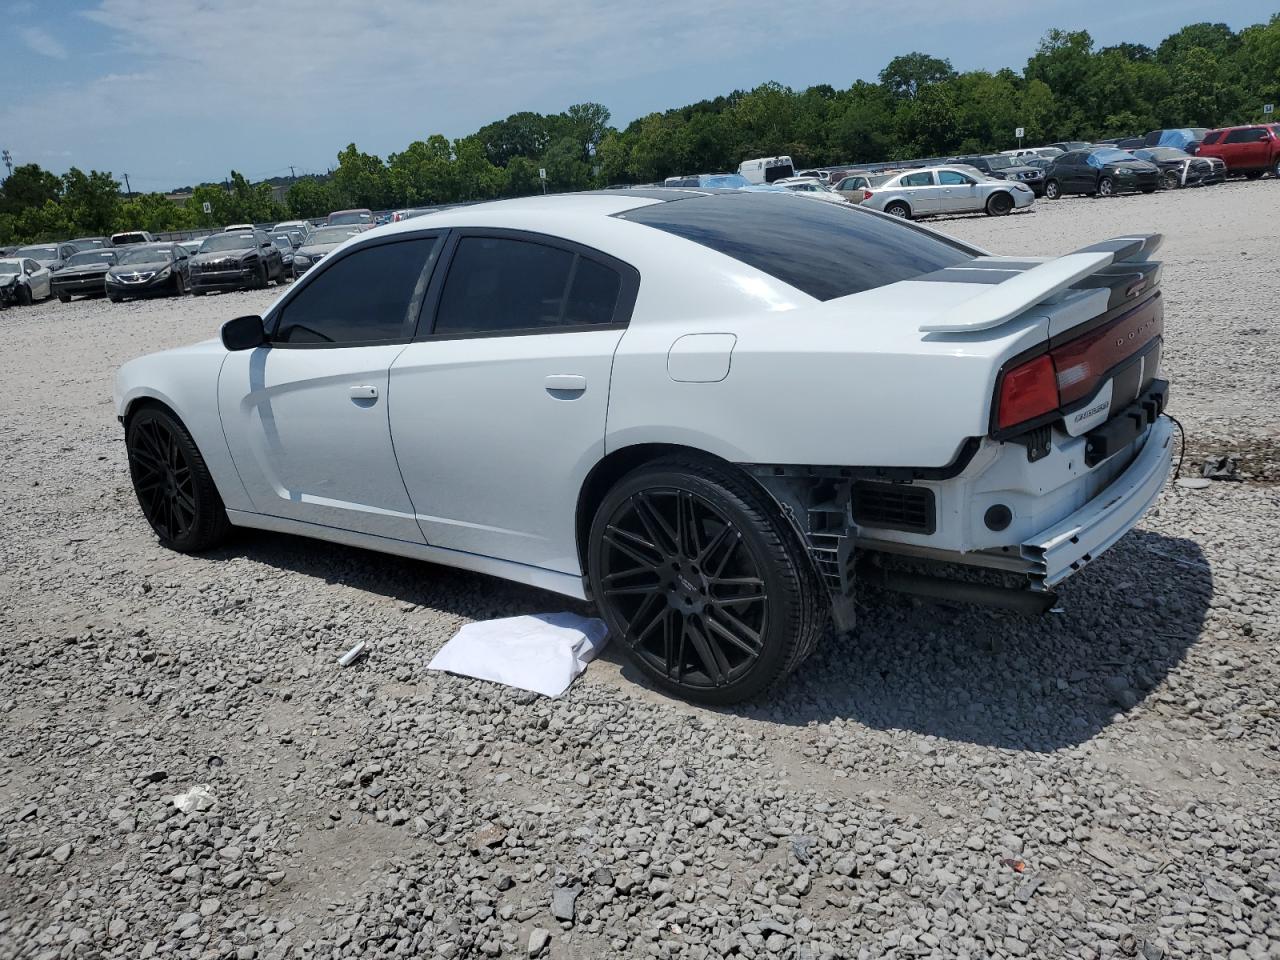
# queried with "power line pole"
point(127, 187)
point(292, 175)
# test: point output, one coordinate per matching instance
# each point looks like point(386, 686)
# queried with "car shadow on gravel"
point(964, 673)
point(445, 589)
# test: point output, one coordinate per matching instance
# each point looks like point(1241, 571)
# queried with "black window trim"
point(412, 316)
point(628, 289)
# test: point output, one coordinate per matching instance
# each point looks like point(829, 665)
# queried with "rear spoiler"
point(1002, 302)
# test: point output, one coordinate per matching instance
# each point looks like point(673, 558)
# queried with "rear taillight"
point(1073, 371)
point(866, 194)
point(1027, 392)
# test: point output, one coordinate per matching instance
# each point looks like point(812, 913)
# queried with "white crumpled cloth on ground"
point(542, 652)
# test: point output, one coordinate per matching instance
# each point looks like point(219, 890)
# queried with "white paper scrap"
point(541, 652)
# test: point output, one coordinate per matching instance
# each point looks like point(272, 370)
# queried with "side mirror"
point(244, 333)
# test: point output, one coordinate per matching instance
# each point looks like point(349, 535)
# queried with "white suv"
point(711, 413)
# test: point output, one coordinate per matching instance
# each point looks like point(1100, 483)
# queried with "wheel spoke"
point(613, 535)
point(663, 536)
point(708, 652)
point(643, 615)
point(735, 631)
point(716, 555)
point(687, 538)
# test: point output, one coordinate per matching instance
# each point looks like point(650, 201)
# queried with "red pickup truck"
point(1252, 150)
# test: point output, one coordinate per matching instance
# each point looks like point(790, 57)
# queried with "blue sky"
point(181, 91)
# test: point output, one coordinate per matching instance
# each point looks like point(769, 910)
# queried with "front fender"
point(186, 381)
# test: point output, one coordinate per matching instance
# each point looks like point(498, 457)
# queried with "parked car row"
point(134, 264)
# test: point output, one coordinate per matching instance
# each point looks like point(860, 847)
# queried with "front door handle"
point(566, 383)
point(363, 393)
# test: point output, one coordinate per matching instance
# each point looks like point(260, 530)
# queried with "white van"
point(767, 169)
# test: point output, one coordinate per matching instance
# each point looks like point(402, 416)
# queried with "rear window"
point(1213, 137)
point(822, 249)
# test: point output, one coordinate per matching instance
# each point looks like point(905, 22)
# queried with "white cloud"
point(295, 80)
point(43, 42)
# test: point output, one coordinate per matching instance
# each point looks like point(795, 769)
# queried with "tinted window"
point(917, 180)
point(1213, 137)
point(497, 284)
point(823, 249)
point(951, 178)
point(369, 296)
point(1241, 136)
point(593, 295)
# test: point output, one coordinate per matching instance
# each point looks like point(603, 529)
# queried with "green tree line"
point(1203, 75)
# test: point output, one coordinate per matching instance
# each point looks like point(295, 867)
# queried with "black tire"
point(1275, 170)
point(1253, 175)
point(64, 298)
point(1052, 190)
point(898, 209)
point(672, 521)
point(1171, 180)
point(260, 279)
point(999, 204)
point(172, 482)
point(179, 286)
point(114, 297)
point(1106, 187)
point(25, 299)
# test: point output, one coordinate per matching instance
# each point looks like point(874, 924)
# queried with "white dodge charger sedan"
point(711, 413)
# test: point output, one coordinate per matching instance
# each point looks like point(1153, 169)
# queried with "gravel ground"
point(949, 783)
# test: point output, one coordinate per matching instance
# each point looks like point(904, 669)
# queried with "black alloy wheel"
point(172, 482)
point(1171, 180)
point(703, 582)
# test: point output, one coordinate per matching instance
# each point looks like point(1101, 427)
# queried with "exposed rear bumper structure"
point(1072, 543)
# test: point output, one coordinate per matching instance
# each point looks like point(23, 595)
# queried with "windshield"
point(92, 256)
point(282, 241)
point(1109, 156)
point(999, 163)
point(9, 268)
point(37, 253)
point(354, 216)
point(728, 180)
point(326, 235)
point(145, 254)
point(227, 241)
point(87, 243)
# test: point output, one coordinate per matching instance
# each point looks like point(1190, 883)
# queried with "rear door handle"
point(566, 382)
point(363, 393)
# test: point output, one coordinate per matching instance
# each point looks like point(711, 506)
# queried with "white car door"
point(922, 192)
point(959, 193)
point(498, 412)
point(305, 416)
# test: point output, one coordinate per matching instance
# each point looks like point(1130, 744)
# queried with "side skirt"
point(569, 585)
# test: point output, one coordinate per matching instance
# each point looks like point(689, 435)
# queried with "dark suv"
point(1003, 167)
point(236, 260)
point(1102, 172)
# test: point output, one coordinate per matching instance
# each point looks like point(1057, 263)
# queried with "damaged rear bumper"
point(1078, 539)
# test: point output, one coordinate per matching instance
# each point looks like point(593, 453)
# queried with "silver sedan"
point(950, 189)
